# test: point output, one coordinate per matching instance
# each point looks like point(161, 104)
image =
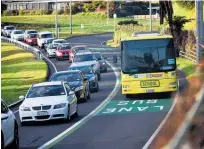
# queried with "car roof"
point(17, 30)
point(48, 83)
point(69, 71)
point(84, 52)
point(45, 33)
point(79, 46)
point(58, 39)
point(79, 65)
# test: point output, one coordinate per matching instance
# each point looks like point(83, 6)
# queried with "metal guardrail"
point(27, 47)
point(188, 55)
point(179, 141)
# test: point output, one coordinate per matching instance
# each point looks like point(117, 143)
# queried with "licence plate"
point(42, 113)
point(149, 83)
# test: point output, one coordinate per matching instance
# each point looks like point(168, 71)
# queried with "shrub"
point(126, 22)
point(93, 14)
point(89, 7)
point(61, 11)
point(21, 12)
point(10, 13)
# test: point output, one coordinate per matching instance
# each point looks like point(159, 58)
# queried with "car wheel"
point(99, 77)
point(68, 114)
point(48, 55)
point(15, 143)
point(85, 97)
point(2, 140)
point(97, 89)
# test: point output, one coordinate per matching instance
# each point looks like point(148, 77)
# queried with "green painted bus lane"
point(123, 106)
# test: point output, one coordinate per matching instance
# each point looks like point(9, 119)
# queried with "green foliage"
point(92, 14)
point(10, 13)
point(123, 31)
point(89, 7)
point(21, 12)
point(186, 4)
point(60, 11)
point(178, 22)
point(127, 22)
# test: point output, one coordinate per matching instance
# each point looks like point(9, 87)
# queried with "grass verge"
point(19, 69)
point(187, 66)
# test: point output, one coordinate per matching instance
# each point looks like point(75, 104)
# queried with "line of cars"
point(59, 97)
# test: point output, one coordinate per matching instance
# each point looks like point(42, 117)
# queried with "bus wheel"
point(128, 95)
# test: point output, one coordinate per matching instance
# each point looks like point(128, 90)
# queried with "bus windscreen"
point(147, 58)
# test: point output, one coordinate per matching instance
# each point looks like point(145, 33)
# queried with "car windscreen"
point(10, 28)
point(43, 91)
point(49, 41)
point(85, 57)
point(46, 36)
point(65, 47)
point(30, 32)
point(52, 46)
point(98, 56)
point(84, 69)
point(69, 77)
point(18, 32)
point(32, 35)
point(60, 41)
point(79, 49)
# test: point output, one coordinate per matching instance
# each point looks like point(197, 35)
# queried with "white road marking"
point(77, 125)
point(15, 111)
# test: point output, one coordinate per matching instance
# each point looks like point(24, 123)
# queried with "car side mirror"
point(85, 79)
point(105, 57)
point(71, 93)
point(21, 97)
point(4, 116)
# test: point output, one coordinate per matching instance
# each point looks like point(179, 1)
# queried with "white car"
point(48, 101)
point(51, 50)
point(9, 128)
point(59, 41)
point(17, 35)
point(27, 32)
point(43, 37)
point(7, 30)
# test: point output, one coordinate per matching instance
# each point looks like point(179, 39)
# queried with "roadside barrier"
point(180, 139)
point(27, 47)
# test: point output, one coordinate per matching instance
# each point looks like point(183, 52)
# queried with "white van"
point(43, 37)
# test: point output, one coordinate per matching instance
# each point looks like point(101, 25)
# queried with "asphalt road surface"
point(121, 124)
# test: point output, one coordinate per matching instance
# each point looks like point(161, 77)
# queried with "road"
point(121, 124)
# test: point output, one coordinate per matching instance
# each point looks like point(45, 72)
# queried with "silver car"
point(51, 50)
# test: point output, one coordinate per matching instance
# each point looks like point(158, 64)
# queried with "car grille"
point(37, 108)
point(46, 107)
point(42, 117)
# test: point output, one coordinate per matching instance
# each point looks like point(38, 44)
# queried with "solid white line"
point(77, 125)
point(148, 143)
point(50, 62)
point(15, 111)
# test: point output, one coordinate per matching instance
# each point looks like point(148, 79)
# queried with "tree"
point(166, 11)
point(186, 4)
point(3, 7)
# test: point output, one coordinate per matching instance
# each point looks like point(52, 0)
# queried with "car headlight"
point(79, 88)
point(61, 105)
point(92, 79)
point(29, 40)
point(58, 53)
point(103, 63)
point(23, 108)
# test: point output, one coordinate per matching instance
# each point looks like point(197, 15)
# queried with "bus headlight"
point(126, 86)
point(173, 84)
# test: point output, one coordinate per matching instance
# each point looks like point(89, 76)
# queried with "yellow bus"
point(148, 65)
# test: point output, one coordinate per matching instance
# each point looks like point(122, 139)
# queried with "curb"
point(15, 103)
point(88, 35)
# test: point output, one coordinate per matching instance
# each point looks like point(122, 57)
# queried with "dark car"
point(101, 60)
point(63, 51)
point(89, 74)
point(77, 81)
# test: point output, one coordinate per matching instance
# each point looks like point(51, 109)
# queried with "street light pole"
point(70, 13)
point(150, 14)
point(199, 27)
point(56, 19)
